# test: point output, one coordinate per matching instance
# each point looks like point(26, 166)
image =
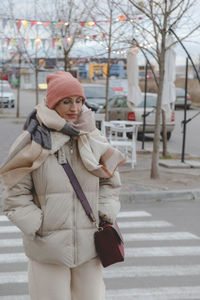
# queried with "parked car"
point(96, 95)
point(5, 83)
point(119, 110)
point(7, 98)
point(180, 98)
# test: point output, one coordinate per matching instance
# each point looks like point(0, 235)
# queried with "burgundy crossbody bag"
point(108, 239)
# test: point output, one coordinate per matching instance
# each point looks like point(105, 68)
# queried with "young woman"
point(58, 236)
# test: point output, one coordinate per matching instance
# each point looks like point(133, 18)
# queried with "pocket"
point(55, 248)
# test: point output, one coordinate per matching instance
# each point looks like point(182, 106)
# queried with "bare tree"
point(157, 17)
point(69, 14)
point(106, 16)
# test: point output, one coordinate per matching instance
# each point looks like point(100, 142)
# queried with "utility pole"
point(36, 65)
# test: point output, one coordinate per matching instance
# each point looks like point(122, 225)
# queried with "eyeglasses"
point(77, 101)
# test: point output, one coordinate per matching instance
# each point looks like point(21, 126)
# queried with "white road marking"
point(129, 252)
point(162, 251)
point(3, 218)
point(10, 242)
point(162, 293)
point(134, 214)
point(146, 224)
point(149, 271)
point(122, 272)
point(13, 297)
point(13, 277)
point(9, 229)
point(159, 236)
point(122, 214)
point(13, 258)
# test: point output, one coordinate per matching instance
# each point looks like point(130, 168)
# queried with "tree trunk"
point(108, 68)
point(36, 85)
point(156, 142)
point(18, 88)
point(164, 133)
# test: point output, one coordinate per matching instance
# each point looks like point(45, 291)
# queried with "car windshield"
point(151, 101)
point(5, 89)
point(96, 92)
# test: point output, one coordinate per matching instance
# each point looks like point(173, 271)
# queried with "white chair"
point(99, 118)
point(117, 136)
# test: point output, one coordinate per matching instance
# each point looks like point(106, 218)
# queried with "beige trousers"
point(57, 282)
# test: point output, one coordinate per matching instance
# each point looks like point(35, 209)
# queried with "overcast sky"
point(25, 9)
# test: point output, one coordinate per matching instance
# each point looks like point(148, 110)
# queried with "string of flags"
point(56, 24)
point(35, 42)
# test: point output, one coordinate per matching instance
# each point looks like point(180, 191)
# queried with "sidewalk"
point(177, 181)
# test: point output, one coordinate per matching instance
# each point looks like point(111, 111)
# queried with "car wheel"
point(168, 135)
point(129, 135)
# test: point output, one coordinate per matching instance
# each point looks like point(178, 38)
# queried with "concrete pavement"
point(177, 181)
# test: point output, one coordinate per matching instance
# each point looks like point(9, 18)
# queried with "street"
point(162, 246)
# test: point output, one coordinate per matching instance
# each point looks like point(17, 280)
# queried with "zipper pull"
point(71, 145)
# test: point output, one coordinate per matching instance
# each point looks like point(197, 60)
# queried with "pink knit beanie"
point(61, 85)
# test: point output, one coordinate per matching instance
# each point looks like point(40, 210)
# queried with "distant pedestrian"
point(38, 198)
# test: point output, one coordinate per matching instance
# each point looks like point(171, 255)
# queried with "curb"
point(159, 196)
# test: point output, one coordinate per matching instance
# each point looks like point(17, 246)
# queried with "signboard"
point(119, 86)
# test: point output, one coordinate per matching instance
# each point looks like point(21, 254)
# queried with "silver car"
point(96, 95)
point(119, 110)
point(180, 99)
point(7, 98)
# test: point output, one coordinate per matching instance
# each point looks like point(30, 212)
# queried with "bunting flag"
point(57, 24)
point(25, 23)
point(53, 42)
point(4, 22)
point(37, 42)
point(8, 42)
point(18, 24)
point(33, 23)
point(27, 42)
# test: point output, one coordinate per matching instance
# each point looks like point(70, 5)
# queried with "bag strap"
point(79, 192)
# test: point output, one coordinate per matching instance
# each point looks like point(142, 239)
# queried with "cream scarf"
point(33, 146)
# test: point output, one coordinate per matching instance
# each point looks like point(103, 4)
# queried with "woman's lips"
point(72, 116)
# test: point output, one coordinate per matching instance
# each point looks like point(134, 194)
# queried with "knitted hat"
point(61, 85)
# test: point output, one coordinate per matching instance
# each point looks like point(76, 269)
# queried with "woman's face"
point(70, 108)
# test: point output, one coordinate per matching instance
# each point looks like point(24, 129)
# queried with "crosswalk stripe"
point(150, 224)
point(152, 271)
point(162, 293)
point(8, 258)
point(129, 252)
point(119, 272)
point(13, 277)
point(3, 218)
point(12, 297)
point(159, 236)
point(133, 214)
point(162, 251)
point(146, 224)
point(10, 242)
point(123, 214)
point(9, 229)
point(128, 237)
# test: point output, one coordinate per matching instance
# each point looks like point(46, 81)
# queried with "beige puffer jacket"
point(45, 207)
